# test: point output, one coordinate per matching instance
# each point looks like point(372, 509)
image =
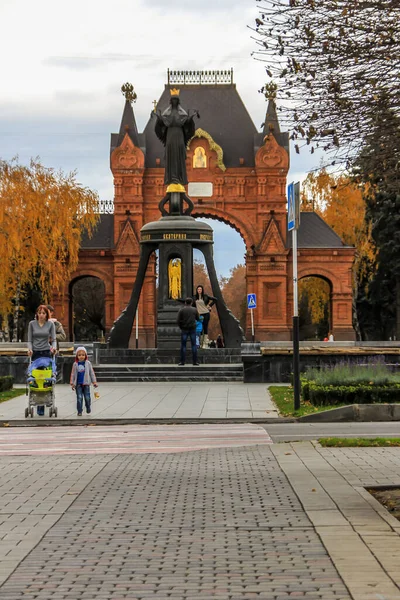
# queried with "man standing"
point(186, 320)
point(60, 333)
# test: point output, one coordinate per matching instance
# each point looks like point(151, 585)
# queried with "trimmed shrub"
point(6, 383)
point(350, 394)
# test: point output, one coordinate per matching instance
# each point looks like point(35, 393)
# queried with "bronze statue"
point(175, 127)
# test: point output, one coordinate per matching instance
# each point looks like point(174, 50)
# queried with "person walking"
point(60, 333)
point(186, 319)
point(41, 339)
point(204, 304)
point(82, 375)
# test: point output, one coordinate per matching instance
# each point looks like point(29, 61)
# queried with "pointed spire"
point(271, 120)
point(128, 121)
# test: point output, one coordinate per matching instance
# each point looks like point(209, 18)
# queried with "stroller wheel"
point(26, 413)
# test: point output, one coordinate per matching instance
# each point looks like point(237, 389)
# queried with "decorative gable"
point(214, 147)
point(127, 156)
point(272, 242)
point(128, 243)
point(271, 155)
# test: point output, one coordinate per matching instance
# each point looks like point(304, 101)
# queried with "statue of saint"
point(175, 127)
point(175, 278)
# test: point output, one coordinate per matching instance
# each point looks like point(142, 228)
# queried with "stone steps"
point(154, 356)
point(169, 372)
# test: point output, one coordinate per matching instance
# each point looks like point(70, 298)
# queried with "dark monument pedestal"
point(175, 236)
point(168, 332)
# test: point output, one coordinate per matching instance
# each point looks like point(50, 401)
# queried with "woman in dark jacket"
point(204, 304)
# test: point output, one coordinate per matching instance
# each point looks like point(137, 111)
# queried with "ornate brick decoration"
point(127, 156)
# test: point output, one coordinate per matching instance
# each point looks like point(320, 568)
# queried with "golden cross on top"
point(155, 105)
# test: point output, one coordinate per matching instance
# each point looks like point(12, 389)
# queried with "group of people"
point(193, 320)
point(45, 332)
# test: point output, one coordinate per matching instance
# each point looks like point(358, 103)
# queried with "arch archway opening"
point(229, 260)
point(315, 308)
point(87, 309)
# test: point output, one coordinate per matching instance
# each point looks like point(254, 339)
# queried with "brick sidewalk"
point(268, 522)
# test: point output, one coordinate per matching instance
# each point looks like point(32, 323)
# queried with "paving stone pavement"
point(362, 538)
point(218, 523)
point(34, 493)
point(274, 522)
point(127, 439)
point(161, 401)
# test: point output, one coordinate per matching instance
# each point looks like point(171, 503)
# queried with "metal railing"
point(106, 207)
point(200, 77)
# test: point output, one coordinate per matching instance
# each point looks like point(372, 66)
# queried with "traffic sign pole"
point(293, 224)
point(296, 348)
point(251, 305)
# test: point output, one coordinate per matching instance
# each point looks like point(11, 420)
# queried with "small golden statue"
point(199, 158)
point(175, 278)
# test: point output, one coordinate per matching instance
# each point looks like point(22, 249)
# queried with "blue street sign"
point(251, 301)
point(291, 207)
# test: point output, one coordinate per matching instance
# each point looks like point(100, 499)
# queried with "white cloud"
point(64, 63)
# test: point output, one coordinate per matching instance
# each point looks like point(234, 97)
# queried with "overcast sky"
point(63, 65)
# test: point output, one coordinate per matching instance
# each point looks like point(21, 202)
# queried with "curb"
point(53, 422)
point(355, 412)
point(343, 414)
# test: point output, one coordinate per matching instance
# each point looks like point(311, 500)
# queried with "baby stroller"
point(40, 384)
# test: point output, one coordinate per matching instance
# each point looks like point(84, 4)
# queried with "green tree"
point(379, 173)
point(384, 292)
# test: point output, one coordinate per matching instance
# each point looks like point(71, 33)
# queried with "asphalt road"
point(292, 432)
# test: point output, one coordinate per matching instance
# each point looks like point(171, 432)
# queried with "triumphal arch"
point(237, 174)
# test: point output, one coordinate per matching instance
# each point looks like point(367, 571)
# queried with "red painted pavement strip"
point(128, 439)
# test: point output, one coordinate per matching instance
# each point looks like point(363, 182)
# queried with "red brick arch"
point(251, 198)
point(321, 274)
point(93, 272)
point(229, 219)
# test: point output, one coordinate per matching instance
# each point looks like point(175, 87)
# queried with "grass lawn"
point(335, 442)
point(282, 395)
point(4, 396)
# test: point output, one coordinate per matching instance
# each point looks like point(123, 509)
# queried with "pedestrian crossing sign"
point(251, 301)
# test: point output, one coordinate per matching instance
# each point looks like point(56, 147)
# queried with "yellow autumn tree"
point(43, 214)
point(339, 201)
